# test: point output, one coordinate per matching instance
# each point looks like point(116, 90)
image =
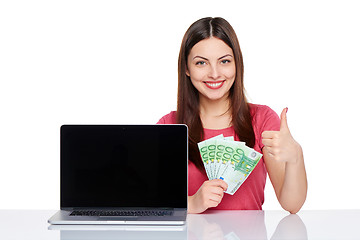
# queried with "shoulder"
point(169, 118)
point(258, 110)
point(264, 118)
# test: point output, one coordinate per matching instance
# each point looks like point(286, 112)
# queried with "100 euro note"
point(229, 160)
point(208, 148)
point(224, 151)
point(220, 147)
point(242, 162)
point(207, 151)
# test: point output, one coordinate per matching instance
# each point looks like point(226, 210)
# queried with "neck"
point(214, 108)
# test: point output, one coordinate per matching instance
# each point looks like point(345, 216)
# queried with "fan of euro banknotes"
point(229, 160)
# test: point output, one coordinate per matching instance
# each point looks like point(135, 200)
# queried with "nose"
point(214, 72)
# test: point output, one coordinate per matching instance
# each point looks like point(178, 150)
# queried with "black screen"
point(124, 166)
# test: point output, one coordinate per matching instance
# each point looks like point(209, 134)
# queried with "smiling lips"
point(214, 84)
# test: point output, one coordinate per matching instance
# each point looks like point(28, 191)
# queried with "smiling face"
point(211, 68)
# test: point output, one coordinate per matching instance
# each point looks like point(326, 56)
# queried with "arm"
point(284, 161)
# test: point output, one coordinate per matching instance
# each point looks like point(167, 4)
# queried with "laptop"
point(123, 174)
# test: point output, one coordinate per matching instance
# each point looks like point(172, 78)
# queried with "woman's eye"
point(225, 61)
point(200, 63)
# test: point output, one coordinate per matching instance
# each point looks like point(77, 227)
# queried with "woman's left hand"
point(280, 145)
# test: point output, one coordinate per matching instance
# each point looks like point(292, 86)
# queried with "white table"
point(229, 225)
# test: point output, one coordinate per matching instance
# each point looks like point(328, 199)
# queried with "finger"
point(217, 191)
point(283, 120)
point(268, 142)
point(213, 186)
point(215, 198)
point(270, 134)
point(266, 151)
point(269, 150)
point(220, 183)
point(213, 203)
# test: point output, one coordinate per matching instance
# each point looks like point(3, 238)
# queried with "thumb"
point(283, 120)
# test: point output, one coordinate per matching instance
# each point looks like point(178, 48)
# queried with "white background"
point(115, 62)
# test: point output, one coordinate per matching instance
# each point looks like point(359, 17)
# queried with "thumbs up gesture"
point(280, 145)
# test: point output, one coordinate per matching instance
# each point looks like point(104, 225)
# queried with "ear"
point(187, 71)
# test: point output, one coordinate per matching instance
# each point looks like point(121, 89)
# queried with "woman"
point(211, 101)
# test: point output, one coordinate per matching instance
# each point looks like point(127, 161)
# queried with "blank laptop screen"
point(124, 166)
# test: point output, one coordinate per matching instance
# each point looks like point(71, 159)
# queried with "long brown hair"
point(188, 97)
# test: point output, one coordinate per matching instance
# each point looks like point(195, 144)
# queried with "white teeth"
point(214, 84)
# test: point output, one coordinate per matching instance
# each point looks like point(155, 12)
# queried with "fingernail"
point(287, 109)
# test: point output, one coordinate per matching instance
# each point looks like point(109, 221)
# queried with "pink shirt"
point(250, 195)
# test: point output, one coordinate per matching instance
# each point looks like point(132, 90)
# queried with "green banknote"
point(229, 160)
point(207, 151)
point(242, 163)
point(204, 156)
point(220, 147)
point(211, 147)
point(229, 148)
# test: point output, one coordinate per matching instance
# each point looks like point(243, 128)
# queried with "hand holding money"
point(280, 145)
point(209, 195)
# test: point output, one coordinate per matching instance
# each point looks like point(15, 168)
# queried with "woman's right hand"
point(209, 195)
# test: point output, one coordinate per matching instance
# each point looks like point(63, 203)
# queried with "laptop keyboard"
point(121, 213)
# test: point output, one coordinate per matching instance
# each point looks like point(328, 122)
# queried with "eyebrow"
point(227, 55)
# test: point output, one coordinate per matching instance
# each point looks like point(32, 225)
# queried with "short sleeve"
point(264, 119)
point(168, 118)
point(161, 121)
